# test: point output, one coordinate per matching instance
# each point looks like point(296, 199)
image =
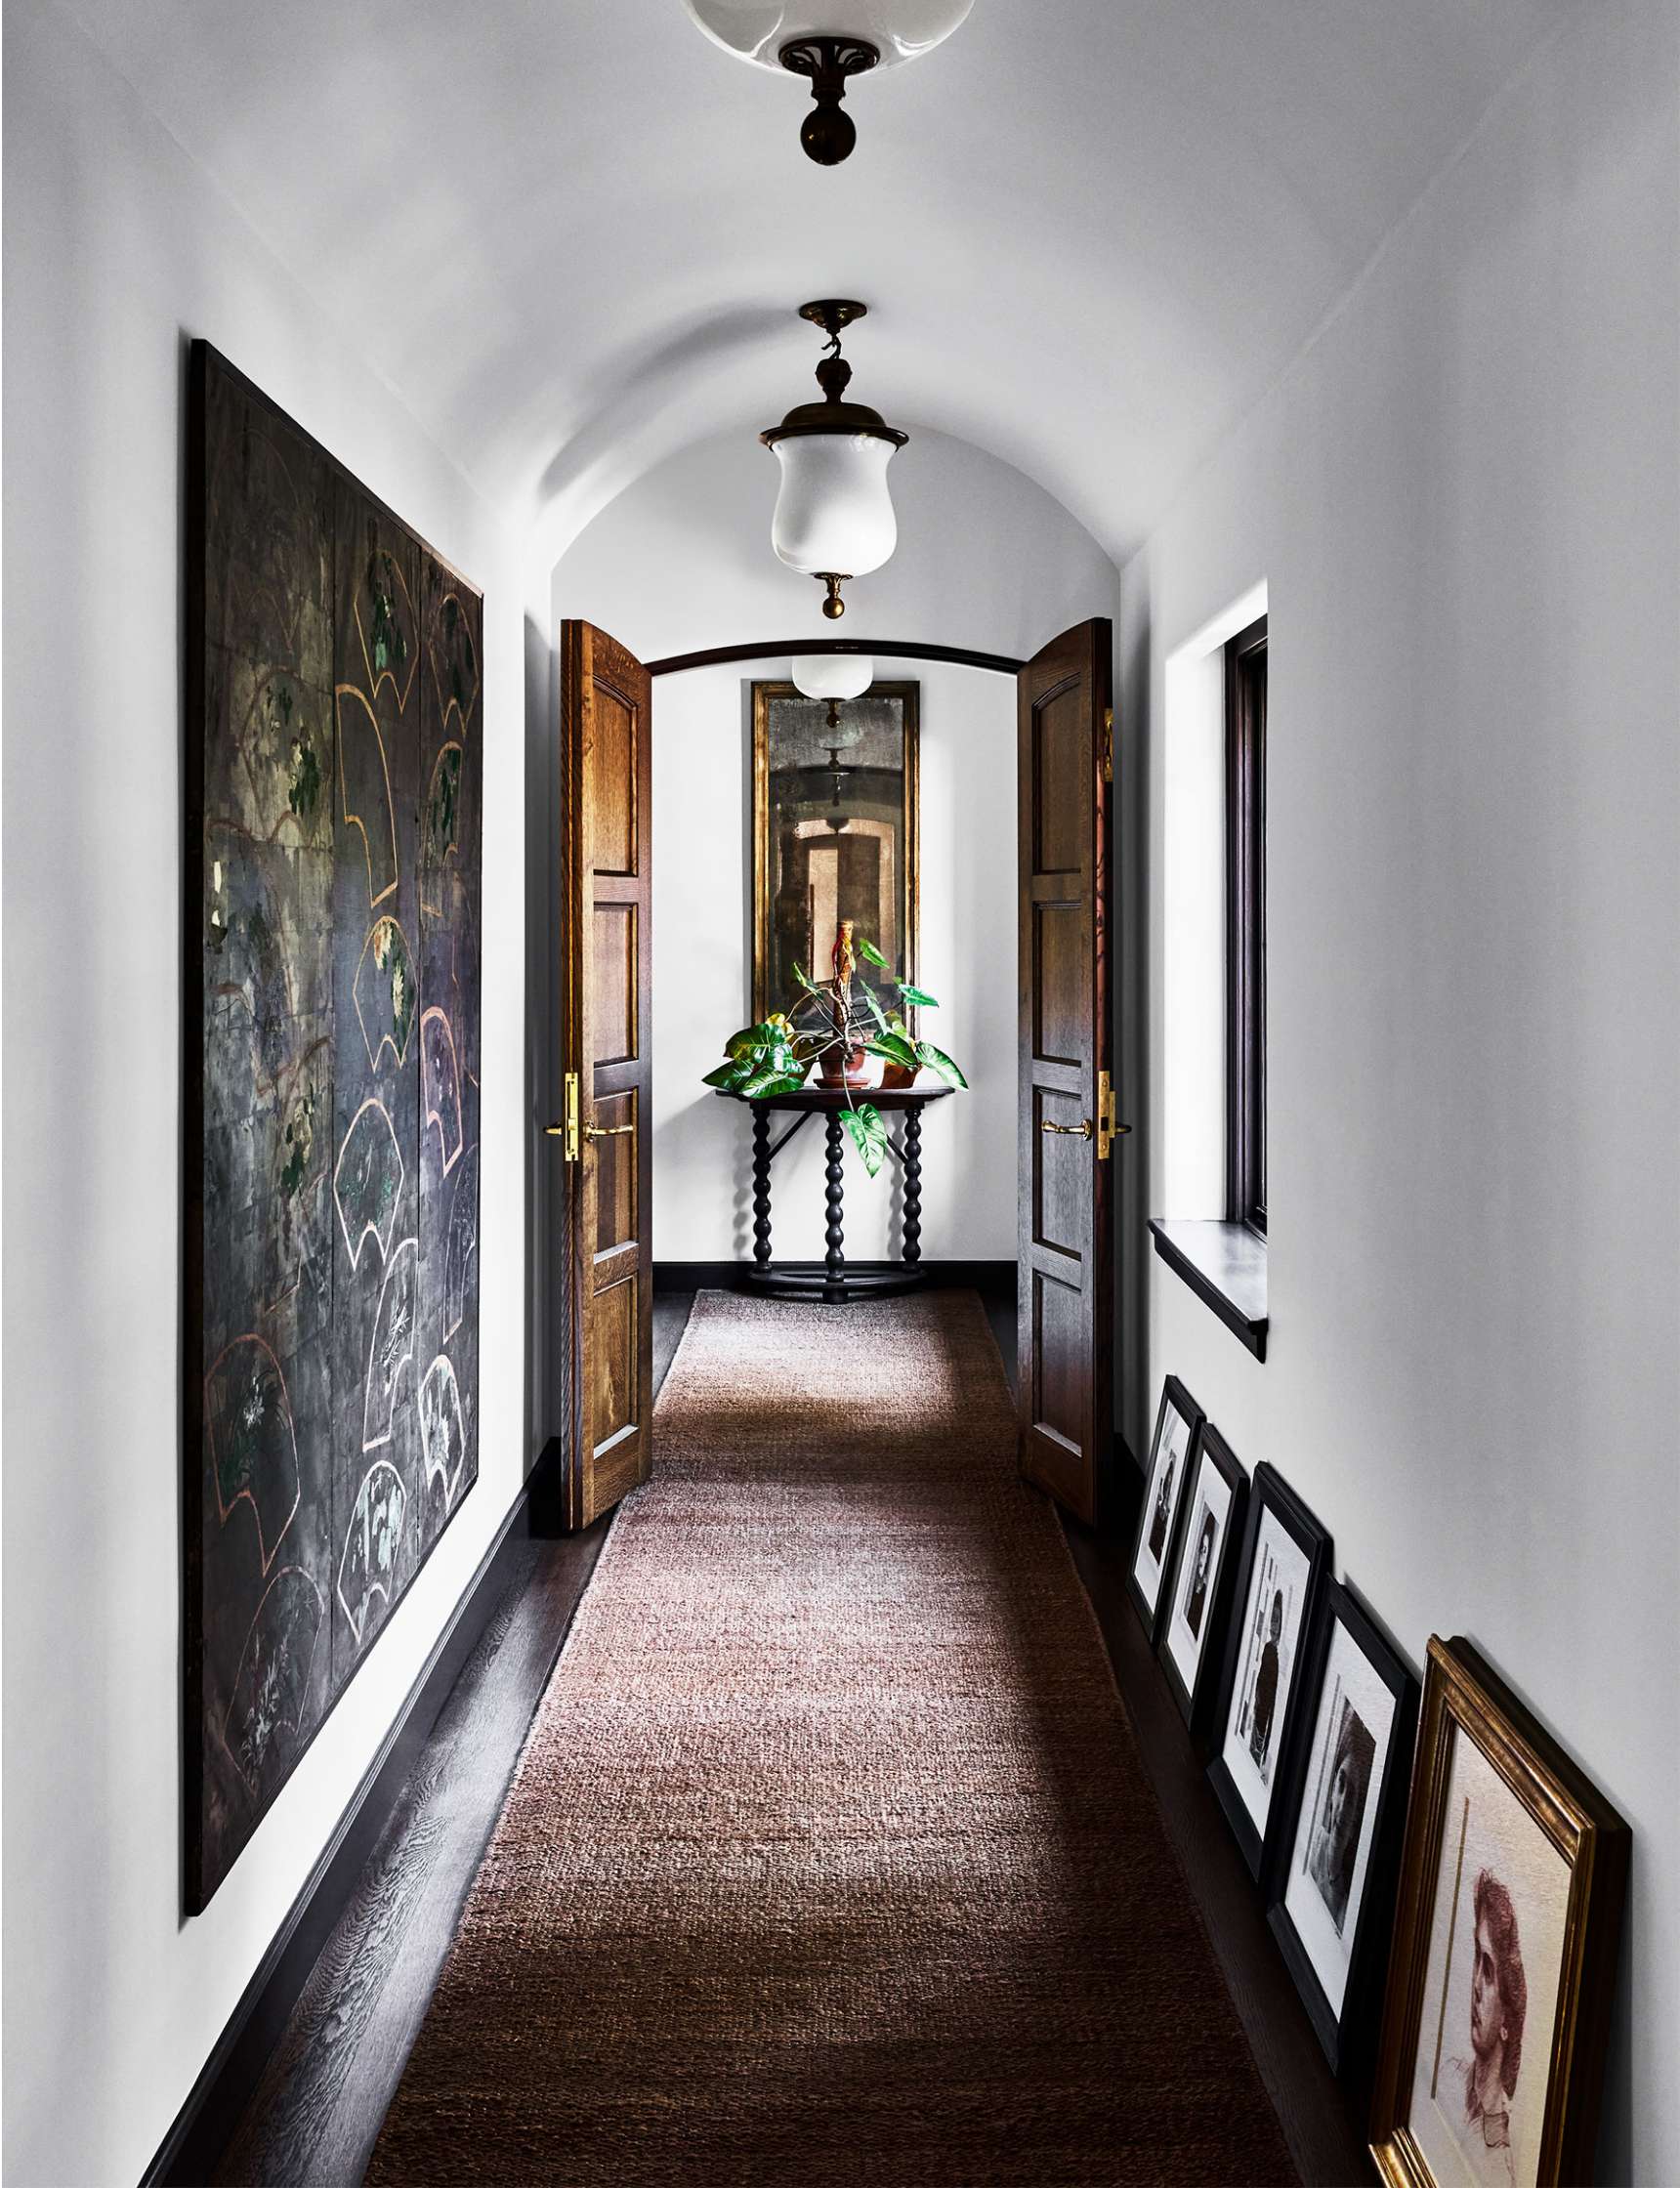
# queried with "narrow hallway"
point(829, 1854)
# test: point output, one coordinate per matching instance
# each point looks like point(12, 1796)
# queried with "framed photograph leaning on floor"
point(1285, 1554)
point(1177, 1432)
point(1330, 1896)
point(1197, 1595)
point(1504, 1947)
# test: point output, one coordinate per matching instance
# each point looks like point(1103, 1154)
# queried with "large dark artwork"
point(334, 758)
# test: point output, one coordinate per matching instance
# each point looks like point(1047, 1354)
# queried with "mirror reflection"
point(834, 812)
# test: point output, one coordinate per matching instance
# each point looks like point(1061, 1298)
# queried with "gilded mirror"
point(834, 832)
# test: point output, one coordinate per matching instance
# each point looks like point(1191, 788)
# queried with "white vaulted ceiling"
point(571, 233)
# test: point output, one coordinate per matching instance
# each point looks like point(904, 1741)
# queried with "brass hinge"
point(1109, 1130)
point(567, 1132)
point(1108, 745)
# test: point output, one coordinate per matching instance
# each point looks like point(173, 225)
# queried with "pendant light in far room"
point(828, 42)
point(834, 516)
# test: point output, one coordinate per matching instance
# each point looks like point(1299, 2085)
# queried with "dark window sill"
point(1225, 1265)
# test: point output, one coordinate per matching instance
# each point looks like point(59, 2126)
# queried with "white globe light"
point(833, 676)
point(834, 513)
point(758, 30)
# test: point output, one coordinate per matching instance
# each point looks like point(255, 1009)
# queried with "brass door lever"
point(1079, 1132)
point(606, 1132)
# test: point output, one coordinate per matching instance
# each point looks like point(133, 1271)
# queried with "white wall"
point(117, 249)
point(702, 979)
point(682, 561)
point(1465, 500)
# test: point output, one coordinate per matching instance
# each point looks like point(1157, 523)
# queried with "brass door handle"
point(1079, 1132)
point(606, 1132)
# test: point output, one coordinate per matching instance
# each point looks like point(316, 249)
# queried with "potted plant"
point(840, 1022)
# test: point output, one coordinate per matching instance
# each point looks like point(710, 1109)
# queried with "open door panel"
point(605, 1135)
point(1065, 1108)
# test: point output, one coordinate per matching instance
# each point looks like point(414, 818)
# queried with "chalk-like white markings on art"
point(278, 1683)
point(384, 937)
point(370, 1543)
point(391, 1342)
point(443, 1430)
point(379, 829)
point(442, 1073)
point(245, 1396)
point(369, 1145)
point(461, 1252)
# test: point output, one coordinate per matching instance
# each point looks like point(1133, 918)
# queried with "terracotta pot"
point(851, 1071)
point(899, 1075)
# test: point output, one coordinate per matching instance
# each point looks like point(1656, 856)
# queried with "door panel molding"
point(1065, 1241)
point(607, 1310)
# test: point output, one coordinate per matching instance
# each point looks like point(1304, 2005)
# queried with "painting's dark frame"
point(1245, 927)
point(1464, 1697)
point(201, 357)
point(1154, 1617)
point(1194, 1704)
point(1270, 1494)
point(1348, 2037)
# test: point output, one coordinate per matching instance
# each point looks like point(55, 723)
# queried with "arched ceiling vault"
point(571, 233)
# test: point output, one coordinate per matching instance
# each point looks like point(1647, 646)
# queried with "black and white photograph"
point(1283, 1560)
point(1200, 1585)
point(1179, 1423)
point(1331, 1897)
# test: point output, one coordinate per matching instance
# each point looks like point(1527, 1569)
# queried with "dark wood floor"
point(314, 2118)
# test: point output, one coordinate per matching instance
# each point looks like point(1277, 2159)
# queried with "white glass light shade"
point(833, 676)
point(758, 30)
point(834, 512)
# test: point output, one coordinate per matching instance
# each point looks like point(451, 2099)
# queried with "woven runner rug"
point(829, 1857)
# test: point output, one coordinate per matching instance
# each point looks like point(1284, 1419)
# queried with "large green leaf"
point(730, 1076)
point(919, 995)
point(895, 1048)
point(937, 1059)
point(806, 981)
point(774, 1082)
point(874, 1009)
point(746, 1040)
point(868, 1134)
point(867, 949)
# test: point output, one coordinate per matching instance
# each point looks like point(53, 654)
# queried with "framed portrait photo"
point(1179, 1422)
point(1512, 1881)
point(1284, 1556)
point(1330, 1896)
point(1198, 1596)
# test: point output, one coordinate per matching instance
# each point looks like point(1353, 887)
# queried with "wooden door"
point(605, 1135)
point(1065, 1108)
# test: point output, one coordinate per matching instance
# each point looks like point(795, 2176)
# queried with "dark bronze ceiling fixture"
point(827, 41)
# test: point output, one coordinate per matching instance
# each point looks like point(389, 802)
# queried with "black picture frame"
point(1270, 1494)
point(1194, 1699)
point(1348, 2035)
point(1173, 1393)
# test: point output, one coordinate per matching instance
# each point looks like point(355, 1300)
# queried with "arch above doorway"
point(889, 649)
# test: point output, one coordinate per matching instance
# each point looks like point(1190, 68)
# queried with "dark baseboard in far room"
point(990, 1278)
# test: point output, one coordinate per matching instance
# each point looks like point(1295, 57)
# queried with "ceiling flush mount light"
point(828, 43)
point(834, 515)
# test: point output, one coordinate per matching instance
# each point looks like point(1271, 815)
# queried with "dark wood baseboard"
point(188, 2153)
point(1323, 2120)
point(989, 1278)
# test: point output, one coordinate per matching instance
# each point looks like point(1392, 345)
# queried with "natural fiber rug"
point(829, 1857)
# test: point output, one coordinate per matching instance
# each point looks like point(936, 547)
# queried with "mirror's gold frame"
point(910, 907)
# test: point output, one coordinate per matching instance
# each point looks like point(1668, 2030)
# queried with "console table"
point(831, 1280)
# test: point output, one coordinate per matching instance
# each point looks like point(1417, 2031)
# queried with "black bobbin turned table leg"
point(835, 1288)
point(913, 1187)
point(761, 1189)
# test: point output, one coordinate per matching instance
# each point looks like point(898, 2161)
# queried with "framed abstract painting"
point(334, 757)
